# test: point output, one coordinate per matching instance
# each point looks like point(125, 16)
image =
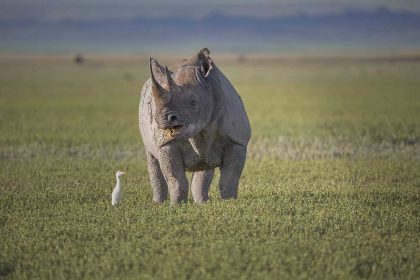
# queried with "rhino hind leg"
point(200, 185)
point(159, 186)
point(231, 170)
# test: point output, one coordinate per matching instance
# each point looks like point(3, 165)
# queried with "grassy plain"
point(331, 188)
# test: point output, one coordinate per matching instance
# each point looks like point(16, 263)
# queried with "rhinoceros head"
point(183, 98)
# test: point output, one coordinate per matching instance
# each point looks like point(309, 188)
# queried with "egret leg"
point(159, 186)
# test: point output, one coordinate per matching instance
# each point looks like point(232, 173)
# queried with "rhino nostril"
point(172, 118)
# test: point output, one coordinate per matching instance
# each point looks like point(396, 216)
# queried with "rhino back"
point(233, 119)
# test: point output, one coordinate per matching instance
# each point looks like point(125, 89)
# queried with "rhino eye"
point(193, 104)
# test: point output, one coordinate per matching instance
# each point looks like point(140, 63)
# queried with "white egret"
point(117, 192)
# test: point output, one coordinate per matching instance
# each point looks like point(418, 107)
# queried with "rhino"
point(192, 119)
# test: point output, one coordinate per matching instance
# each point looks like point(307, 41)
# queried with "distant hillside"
point(352, 30)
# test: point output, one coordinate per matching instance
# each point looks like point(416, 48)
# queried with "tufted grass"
point(331, 188)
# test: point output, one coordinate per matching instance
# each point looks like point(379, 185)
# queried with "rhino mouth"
point(174, 131)
point(172, 134)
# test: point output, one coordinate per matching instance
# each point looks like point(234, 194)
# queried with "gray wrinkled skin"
point(192, 119)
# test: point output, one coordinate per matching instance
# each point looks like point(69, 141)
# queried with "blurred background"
point(331, 185)
point(282, 26)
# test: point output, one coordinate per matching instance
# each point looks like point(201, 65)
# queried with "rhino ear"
point(158, 76)
point(206, 64)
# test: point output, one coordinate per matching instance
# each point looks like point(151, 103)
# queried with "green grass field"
point(331, 187)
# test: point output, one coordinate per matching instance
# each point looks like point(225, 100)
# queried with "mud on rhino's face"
point(183, 100)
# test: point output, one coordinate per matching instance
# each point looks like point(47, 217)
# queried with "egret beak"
point(122, 173)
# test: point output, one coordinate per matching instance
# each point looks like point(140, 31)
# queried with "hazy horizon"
point(128, 26)
point(95, 9)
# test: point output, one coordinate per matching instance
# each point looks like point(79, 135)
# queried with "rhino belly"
point(201, 160)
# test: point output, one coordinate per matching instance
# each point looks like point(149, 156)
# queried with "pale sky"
point(88, 9)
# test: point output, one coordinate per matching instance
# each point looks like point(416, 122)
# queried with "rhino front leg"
point(159, 186)
point(174, 172)
point(200, 185)
point(231, 170)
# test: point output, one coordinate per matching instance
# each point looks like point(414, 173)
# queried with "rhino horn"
point(157, 74)
point(169, 80)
